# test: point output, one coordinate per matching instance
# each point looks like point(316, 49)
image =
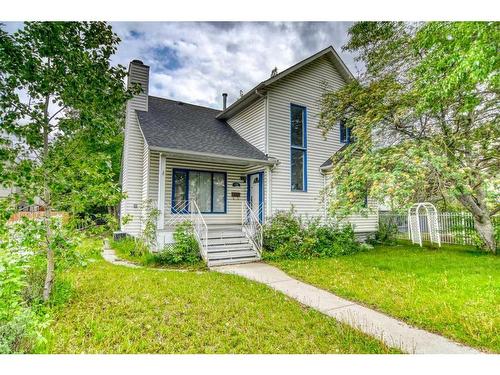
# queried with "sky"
point(196, 62)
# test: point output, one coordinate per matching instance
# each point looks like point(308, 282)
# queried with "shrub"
point(285, 236)
point(386, 234)
point(20, 326)
point(330, 240)
point(23, 315)
point(130, 247)
point(184, 250)
point(282, 228)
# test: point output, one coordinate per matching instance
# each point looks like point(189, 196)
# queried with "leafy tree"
point(58, 92)
point(424, 116)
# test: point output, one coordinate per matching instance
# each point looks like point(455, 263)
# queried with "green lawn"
point(124, 248)
point(114, 309)
point(454, 291)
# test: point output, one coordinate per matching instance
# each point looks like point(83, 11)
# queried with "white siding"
point(366, 223)
point(250, 124)
point(133, 152)
point(234, 172)
point(303, 87)
point(145, 177)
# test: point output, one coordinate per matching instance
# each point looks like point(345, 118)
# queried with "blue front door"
point(255, 193)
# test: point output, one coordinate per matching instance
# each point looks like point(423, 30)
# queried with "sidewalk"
point(392, 332)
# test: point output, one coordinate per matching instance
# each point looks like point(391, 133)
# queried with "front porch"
point(225, 201)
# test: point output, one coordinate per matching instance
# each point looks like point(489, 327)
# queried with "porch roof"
point(175, 126)
point(328, 163)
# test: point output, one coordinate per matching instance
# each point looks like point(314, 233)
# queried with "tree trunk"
point(49, 276)
point(476, 205)
point(486, 232)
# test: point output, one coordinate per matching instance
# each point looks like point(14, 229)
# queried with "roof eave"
point(326, 169)
point(269, 161)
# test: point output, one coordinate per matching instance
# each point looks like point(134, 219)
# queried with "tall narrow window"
point(298, 152)
point(345, 133)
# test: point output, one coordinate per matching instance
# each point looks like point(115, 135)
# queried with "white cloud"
point(196, 62)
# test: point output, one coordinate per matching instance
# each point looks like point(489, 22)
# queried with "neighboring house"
point(237, 166)
point(6, 191)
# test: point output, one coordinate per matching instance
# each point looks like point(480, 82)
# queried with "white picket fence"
point(454, 227)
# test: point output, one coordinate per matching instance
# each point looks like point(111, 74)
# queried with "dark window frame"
point(302, 148)
point(186, 210)
point(345, 133)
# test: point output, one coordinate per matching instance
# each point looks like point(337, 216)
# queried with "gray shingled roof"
point(187, 127)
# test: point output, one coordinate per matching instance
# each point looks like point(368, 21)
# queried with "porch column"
point(161, 190)
point(268, 193)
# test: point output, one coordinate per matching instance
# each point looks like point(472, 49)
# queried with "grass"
point(130, 250)
point(114, 309)
point(454, 291)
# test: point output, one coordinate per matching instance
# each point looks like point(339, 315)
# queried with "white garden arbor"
point(420, 214)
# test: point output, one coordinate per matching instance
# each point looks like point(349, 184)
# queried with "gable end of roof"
point(254, 93)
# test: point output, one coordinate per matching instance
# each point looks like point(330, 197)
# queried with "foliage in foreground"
point(424, 115)
point(185, 250)
point(22, 272)
point(286, 236)
point(61, 100)
point(20, 326)
point(452, 290)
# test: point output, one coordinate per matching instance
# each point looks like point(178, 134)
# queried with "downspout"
point(324, 199)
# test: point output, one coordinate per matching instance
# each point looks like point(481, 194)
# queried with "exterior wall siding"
point(133, 153)
point(234, 172)
point(365, 223)
point(145, 178)
point(304, 87)
point(250, 124)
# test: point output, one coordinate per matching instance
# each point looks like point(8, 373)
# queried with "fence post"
point(463, 228)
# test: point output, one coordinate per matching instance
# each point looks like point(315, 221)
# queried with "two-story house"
point(228, 170)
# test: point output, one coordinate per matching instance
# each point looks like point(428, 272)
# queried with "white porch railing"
point(251, 226)
point(177, 214)
point(200, 229)
point(188, 210)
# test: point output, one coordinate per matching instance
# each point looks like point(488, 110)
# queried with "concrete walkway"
point(392, 332)
point(109, 255)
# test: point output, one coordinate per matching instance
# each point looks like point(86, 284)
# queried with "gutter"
point(270, 161)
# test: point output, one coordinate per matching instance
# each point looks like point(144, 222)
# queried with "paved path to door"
point(392, 332)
